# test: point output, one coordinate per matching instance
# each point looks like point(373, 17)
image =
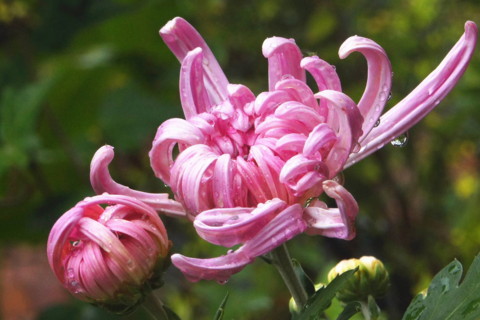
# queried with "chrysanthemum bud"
point(370, 279)
point(292, 305)
point(109, 255)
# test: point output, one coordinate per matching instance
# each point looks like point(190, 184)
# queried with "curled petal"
point(301, 174)
point(286, 225)
point(379, 79)
point(102, 181)
point(291, 142)
point(345, 120)
point(222, 183)
point(319, 142)
point(230, 226)
point(181, 38)
point(171, 132)
point(323, 72)
point(296, 111)
point(191, 176)
point(193, 94)
point(269, 166)
point(283, 60)
point(325, 76)
point(253, 180)
point(423, 98)
point(219, 269)
point(267, 102)
point(336, 222)
point(298, 90)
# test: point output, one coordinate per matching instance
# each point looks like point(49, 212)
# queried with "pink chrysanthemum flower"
point(247, 164)
point(110, 257)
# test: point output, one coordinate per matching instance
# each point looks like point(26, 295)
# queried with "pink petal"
point(319, 142)
point(253, 180)
point(222, 182)
point(286, 225)
point(283, 60)
point(296, 111)
point(325, 76)
point(267, 102)
point(345, 120)
point(335, 223)
point(379, 79)
point(191, 176)
point(291, 142)
point(299, 91)
point(423, 98)
point(171, 132)
point(231, 226)
point(300, 174)
point(102, 181)
point(182, 38)
point(193, 94)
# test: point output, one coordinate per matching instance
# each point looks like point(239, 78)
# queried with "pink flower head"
point(243, 166)
point(109, 256)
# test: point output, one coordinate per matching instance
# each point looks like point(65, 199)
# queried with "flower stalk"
point(154, 307)
point(283, 263)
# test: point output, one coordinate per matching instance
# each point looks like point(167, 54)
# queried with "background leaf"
point(446, 298)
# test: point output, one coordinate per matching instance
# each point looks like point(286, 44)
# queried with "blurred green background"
point(78, 74)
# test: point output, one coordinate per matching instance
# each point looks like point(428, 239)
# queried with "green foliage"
point(221, 309)
point(322, 298)
point(447, 298)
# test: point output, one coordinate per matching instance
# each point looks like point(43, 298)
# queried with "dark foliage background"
point(77, 74)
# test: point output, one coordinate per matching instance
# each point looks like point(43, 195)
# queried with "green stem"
point(154, 307)
point(370, 309)
point(282, 261)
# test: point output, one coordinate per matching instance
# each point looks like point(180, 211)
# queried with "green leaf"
point(446, 298)
point(221, 309)
point(350, 310)
point(171, 315)
point(305, 280)
point(322, 299)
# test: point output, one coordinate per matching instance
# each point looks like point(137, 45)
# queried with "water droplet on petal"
point(222, 281)
point(400, 141)
point(377, 123)
point(334, 67)
point(229, 251)
point(389, 96)
point(71, 273)
point(76, 243)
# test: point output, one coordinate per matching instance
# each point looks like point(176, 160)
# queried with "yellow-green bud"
point(370, 279)
point(292, 305)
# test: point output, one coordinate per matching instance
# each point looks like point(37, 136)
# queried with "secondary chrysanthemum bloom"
point(110, 257)
point(246, 165)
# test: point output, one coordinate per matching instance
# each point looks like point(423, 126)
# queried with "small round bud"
point(110, 255)
point(292, 305)
point(371, 278)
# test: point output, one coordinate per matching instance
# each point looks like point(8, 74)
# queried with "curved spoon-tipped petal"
point(286, 225)
point(379, 79)
point(335, 222)
point(345, 120)
point(102, 181)
point(171, 132)
point(423, 98)
point(193, 94)
point(231, 226)
point(284, 58)
point(181, 37)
